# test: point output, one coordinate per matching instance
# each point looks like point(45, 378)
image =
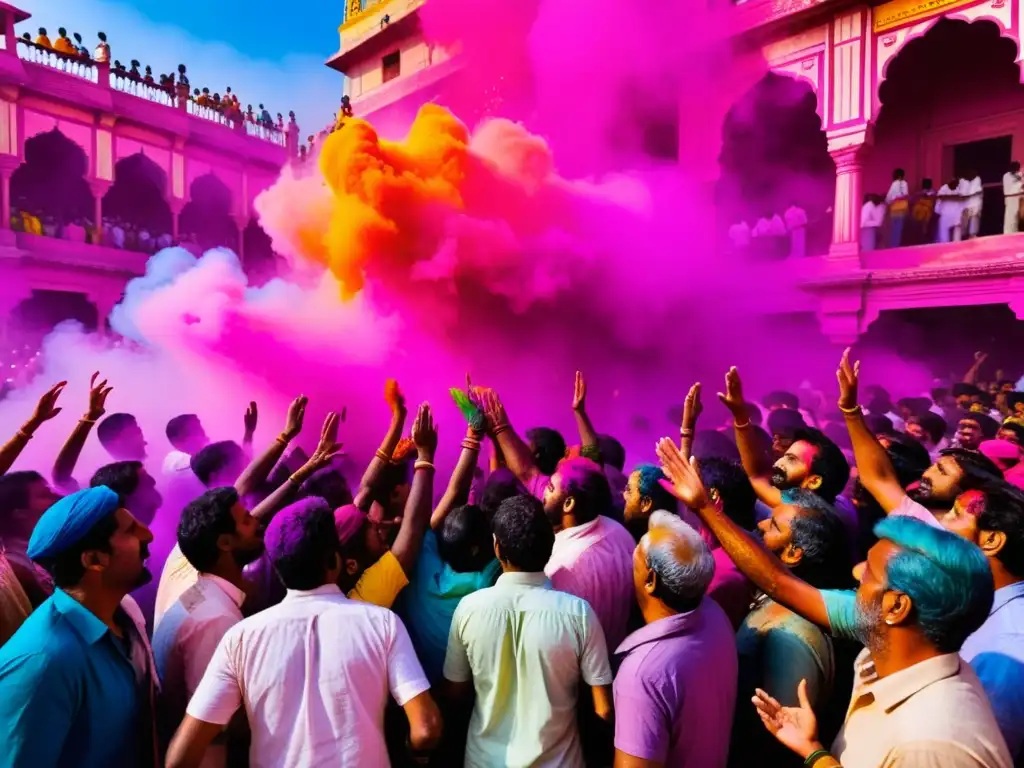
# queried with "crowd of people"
point(826, 586)
point(951, 214)
point(228, 105)
point(775, 235)
point(115, 232)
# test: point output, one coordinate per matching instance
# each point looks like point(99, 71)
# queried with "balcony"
point(373, 30)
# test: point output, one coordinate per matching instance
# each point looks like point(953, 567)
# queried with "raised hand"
point(491, 405)
point(692, 409)
point(328, 447)
point(97, 398)
point(683, 480)
point(251, 419)
point(46, 407)
point(732, 398)
point(980, 357)
point(848, 375)
point(296, 414)
point(394, 398)
point(579, 393)
point(796, 727)
point(424, 433)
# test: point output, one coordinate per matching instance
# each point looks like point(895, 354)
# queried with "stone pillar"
point(104, 303)
point(177, 205)
point(103, 74)
point(99, 189)
point(848, 152)
point(5, 198)
point(241, 221)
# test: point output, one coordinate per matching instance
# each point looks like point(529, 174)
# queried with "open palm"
point(796, 727)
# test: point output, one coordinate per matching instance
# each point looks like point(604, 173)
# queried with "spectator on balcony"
point(769, 235)
point(119, 67)
point(796, 224)
point(74, 232)
point(898, 201)
point(43, 40)
point(203, 99)
point(872, 216)
point(250, 116)
point(31, 224)
point(149, 75)
point(265, 117)
point(64, 44)
point(113, 233)
point(102, 53)
point(145, 240)
point(974, 196)
point(950, 207)
point(134, 71)
point(80, 49)
point(164, 241)
point(922, 213)
point(1013, 187)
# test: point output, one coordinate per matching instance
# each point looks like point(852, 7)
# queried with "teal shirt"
point(428, 604)
point(68, 693)
point(841, 608)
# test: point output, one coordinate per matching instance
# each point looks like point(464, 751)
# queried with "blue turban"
point(68, 521)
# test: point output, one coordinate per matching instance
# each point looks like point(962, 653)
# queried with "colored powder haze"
point(520, 249)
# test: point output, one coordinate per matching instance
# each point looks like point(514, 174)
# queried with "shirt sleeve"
point(1002, 677)
point(406, 678)
point(537, 485)
point(36, 709)
point(219, 694)
point(841, 608)
point(456, 658)
point(380, 583)
point(642, 728)
point(594, 666)
point(910, 508)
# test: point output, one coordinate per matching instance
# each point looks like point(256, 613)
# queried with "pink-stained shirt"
point(595, 561)
point(910, 508)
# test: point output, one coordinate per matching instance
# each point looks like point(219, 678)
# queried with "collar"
point(237, 596)
point(522, 579)
point(1007, 594)
point(577, 531)
point(893, 690)
point(662, 629)
point(323, 589)
point(81, 619)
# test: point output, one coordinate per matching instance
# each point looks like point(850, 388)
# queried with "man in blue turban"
point(77, 677)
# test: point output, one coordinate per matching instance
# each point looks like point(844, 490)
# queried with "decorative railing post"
point(103, 74)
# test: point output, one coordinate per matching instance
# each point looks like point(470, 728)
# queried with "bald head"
point(672, 565)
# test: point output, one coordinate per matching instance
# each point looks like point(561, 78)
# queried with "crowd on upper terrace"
point(174, 84)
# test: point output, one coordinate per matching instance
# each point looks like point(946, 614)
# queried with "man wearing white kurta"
point(897, 200)
point(796, 223)
point(1013, 186)
point(950, 208)
point(872, 216)
point(974, 193)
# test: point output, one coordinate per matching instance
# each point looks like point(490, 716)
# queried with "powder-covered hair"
point(648, 484)
point(947, 578)
point(681, 583)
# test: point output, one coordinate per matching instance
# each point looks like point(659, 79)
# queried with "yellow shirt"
point(64, 45)
point(380, 583)
point(44, 41)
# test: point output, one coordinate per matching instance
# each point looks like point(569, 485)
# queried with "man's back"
point(526, 648)
point(314, 674)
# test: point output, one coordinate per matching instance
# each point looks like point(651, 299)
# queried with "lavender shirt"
point(675, 689)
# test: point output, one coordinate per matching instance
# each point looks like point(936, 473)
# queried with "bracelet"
point(86, 420)
point(503, 428)
point(422, 464)
point(744, 425)
point(816, 756)
point(23, 434)
point(295, 479)
point(685, 432)
point(283, 439)
point(850, 411)
point(383, 456)
point(471, 444)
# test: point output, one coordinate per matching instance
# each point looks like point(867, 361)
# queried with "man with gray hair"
point(676, 686)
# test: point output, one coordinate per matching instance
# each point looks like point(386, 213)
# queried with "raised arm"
point(971, 377)
point(462, 476)
point(752, 458)
point(874, 468)
point(692, 409)
point(518, 456)
point(67, 458)
point(588, 436)
point(416, 516)
point(326, 449)
point(260, 467)
point(44, 411)
point(250, 420)
point(760, 566)
point(380, 461)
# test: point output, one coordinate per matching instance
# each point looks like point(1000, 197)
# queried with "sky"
point(264, 52)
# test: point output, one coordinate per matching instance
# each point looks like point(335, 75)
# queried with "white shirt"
point(1012, 185)
point(897, 189)
point(974, 191)
point(951, 209)
point(872, 215)
point(526, 647)
point(595, 561)
point(770, 227)
point(313, 673)
point(795, 217)
point(185, 641)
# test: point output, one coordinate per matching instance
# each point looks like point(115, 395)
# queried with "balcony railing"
point(134, 85)
point(77, 66)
